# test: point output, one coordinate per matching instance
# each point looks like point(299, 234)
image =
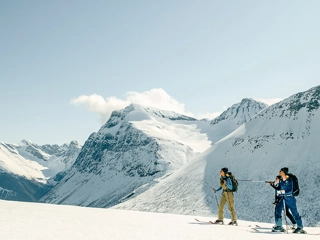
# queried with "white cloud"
point(97, 104)
point(208, 116)
point(269, 101)
point(156, 98)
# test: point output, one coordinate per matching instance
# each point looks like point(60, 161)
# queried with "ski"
point(211, 222)
point(203, 222)
point(257, 228)
point(268, 230)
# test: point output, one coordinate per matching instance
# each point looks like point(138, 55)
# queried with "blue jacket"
point(287, 186)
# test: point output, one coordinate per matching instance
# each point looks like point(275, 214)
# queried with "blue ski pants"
point(291, 203)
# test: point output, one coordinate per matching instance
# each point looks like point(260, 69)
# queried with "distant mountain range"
point(28, 170)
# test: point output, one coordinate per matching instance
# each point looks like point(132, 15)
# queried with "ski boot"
point(278, 229)
point(299, 230)
point(234, 223)
point(294, 226)
point(218, 222)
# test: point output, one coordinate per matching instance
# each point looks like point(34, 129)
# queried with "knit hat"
point(285, 170)
point(225, 169)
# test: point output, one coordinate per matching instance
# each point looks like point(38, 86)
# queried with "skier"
point(285, 193)
point(275, 185)
point(227, 196)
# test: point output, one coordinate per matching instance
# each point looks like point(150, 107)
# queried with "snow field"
point(33, 221)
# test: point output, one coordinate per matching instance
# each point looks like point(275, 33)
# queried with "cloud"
point(156, 98)
point(269, 101)
point(209, 116)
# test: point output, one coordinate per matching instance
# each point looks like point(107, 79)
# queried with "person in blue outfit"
point(227, 196)
point(286, 198)
point(275, 185)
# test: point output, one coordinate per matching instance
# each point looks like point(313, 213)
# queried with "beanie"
point(225, 169)
point(285, 169)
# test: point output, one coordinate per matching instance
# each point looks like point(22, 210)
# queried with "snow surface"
point(33, 221)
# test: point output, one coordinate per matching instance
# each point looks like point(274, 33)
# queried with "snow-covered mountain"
point(235, 116)
point(133, 151)
point(240, 113)
point(54, 158)
point(27, 170)
point(285, 134)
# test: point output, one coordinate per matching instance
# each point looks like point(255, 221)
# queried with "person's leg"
point(292, 205)
point(223, 201)
point(278, 213)
point(289, 215)
point(230, 199)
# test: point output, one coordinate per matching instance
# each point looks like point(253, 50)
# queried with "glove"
point(281, 192)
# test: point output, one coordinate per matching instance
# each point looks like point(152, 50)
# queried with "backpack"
point(233, 181)
point(296, 189)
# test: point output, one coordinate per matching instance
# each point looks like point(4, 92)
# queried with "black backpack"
point(296, 189)
point(233, 181)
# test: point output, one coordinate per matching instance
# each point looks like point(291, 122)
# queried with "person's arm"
point(216, 190)
point(275, 185)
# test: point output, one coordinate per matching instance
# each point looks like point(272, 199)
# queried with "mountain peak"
point(137, 112)
point(241, 112)
point(74, 143)
point(25, 142)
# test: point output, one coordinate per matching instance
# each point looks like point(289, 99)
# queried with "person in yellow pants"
point(226, 197)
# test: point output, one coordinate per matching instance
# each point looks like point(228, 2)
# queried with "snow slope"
point(35, 221)
point(284, 134)
point(11, 161)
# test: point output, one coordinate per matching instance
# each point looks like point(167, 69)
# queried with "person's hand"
point(214, 190)
point(225, 182)
point(283, 191)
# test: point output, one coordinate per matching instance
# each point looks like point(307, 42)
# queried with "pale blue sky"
point(205, 54)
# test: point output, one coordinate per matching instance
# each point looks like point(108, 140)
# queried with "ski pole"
point(216, 199)
point(285, 213)
point(261, 181)
point(253, 181)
